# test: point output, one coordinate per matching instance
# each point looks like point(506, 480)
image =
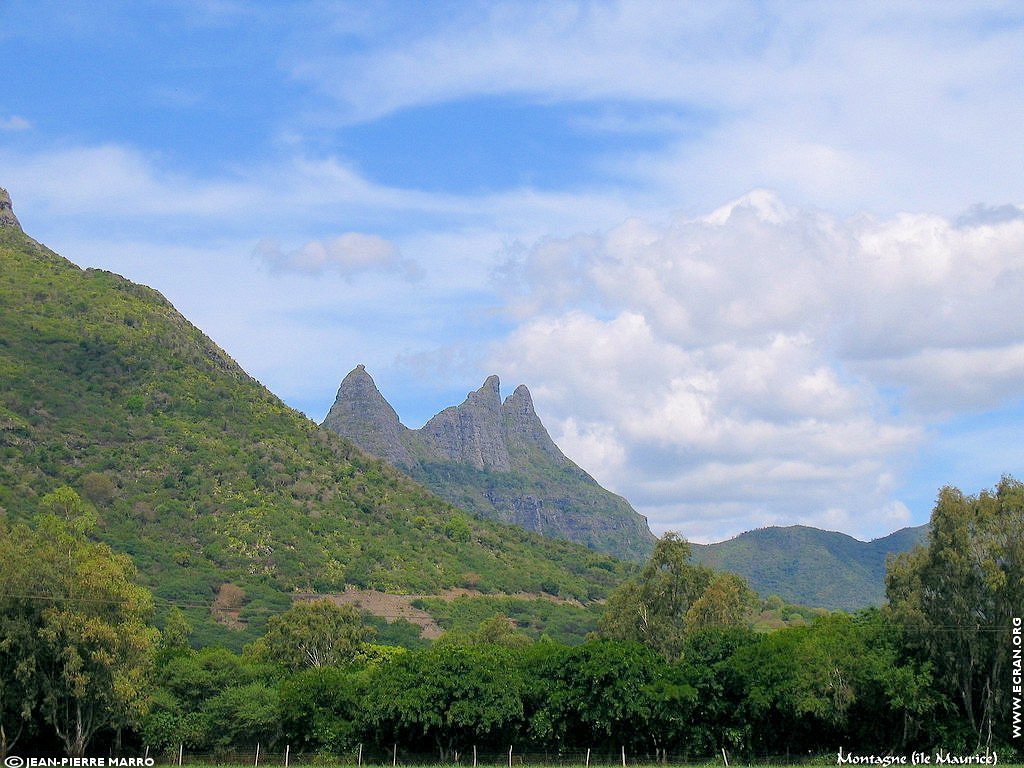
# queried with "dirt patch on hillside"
point(392, 607)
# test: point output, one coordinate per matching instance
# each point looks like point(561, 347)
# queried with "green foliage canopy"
point(73, 626)
point(956, 596)
point(671, 597)
point(313, 633)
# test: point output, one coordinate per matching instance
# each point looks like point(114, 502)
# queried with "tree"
point(716, 719)
point(497, 630)
point(956, 595)
point(604, 694)
point(321, 708)
point(20, 683)
point(316, 633)
point(456, 696)
point(176, 632)
point(211, 699)
point(84, 621)
point(652, 608)
point(728, 601)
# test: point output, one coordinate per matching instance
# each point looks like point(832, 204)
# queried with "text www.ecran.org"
point(1016, 652)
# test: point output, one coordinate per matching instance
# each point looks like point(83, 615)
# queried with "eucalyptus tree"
point(77, 646)
point(671, 598)
point(313, 633)
point(956, 597)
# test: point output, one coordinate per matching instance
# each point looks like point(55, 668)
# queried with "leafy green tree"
point(603, 694)
point(176, 632)
point(20, 679)
point(841, 679)
point(501, 630)
point(454, 696)
point(727, 601)
point(716, 719)
point(652, 608)
point(203, 698)
point(322, 708)
point(497, 630)
point(84, 620)
point(318, 633)
point(956, 596)
point(242, 714)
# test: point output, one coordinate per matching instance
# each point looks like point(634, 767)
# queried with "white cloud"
point(347, 254)
point(117, 181)
point(14, 123)
point(868, 105)
point(766, 362)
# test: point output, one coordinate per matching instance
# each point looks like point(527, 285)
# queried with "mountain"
point(493, 458)
point(808, 566)
point(206, 478)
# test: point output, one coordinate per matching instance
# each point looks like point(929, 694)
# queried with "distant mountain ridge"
point(495, 459)
point(809, 566)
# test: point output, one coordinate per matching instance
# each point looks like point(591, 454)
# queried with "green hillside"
point(808, 566)
point(205, 477)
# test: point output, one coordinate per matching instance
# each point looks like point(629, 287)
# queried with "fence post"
point(588, 757)
point(394, 753)
point(623, 756)
point(509, 756)
point(256, 764)
point(181, 749)
point(725, 757)
point(287, 749)
point(359, 760)
point(474, 756)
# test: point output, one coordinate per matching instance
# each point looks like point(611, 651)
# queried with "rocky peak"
point(7, 217)
point(495, 459)
point(361, 413)
point(524, 430)
point(473, 432)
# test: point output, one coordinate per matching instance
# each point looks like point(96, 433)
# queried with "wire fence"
point(259, 757)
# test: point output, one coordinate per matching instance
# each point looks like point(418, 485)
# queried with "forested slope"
point(205, 477)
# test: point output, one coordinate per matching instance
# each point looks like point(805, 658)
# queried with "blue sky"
point(759, 263)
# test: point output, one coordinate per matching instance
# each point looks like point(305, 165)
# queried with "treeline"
point(839, 681)
point(674, 667)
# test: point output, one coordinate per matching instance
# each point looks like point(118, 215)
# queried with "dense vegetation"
point(822, 569)
point(225, 498)
point(538, 485)
point(928, 672)
point(566, 623)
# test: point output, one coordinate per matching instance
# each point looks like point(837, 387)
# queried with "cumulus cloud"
point(349, 254)
point(766, 363)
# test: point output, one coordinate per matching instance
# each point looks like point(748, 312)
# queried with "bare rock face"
point(525, 434)
point(496, 460)
point(472, 433)
point(361, 413)
point(7, 217)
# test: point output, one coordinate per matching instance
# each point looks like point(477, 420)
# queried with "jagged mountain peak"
point(361, 411)
point(495, 458)
point(471, 433)
point(521, 396)
point(488, 396)
point(7, 217)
